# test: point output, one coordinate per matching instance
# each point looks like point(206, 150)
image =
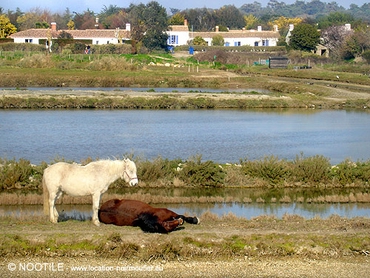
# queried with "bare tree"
point(333, 38)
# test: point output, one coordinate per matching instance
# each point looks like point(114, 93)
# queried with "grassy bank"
point(216, 238)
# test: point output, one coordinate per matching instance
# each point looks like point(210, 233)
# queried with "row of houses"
point(177, 35)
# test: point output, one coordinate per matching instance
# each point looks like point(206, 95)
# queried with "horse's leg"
point(53, 213)
point(95, 207)
point(191, 220)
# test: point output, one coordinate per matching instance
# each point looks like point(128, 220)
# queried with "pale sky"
point(97, 5)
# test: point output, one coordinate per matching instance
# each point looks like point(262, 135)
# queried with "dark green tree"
point(230, 17)
point(156, 26)
point(304, 37)
point(149, 25)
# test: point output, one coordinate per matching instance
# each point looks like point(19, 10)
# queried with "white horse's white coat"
point(76, 180)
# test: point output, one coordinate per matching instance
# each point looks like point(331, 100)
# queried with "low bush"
point(197, 173)
point(313, 169)
point(269, 169)
point(267, 172)
point(20, 174)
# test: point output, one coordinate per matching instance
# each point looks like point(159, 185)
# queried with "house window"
point(255, 43)
point(28, 40)
point(96, 42)
point(107, 42)
point(173, 39)
point(227, 44)
point(237, 43)
point(265, 43)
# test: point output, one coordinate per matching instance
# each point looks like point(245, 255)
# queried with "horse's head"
point(129, 174)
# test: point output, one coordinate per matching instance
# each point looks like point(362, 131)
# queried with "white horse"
point(76, 180)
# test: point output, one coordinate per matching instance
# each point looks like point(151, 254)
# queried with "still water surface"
point(218, 135)
point(248, 211)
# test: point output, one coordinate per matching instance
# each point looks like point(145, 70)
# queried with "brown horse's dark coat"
point(137, 213)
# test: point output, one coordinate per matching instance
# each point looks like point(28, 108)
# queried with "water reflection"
point(248, 211)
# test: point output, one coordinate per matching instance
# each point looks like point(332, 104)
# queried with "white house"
point(180, 35)
point(97, 36)
point(177, 35)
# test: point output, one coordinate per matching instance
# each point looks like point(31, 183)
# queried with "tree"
point(177, 19)
point(335, 19)
point(230, 17)
point(86, 20)
point(149, 25)
point(157, 25)
point(200, 20)
point(250, 21)
point(356, 44)
point(6, 28)
point(283, 22)
point(304, 37)
point(33, 18)
point(198, 40)
point(71, 25)
point(333, 38)
point(218, 40)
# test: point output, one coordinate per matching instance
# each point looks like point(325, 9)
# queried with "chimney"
point(53, 26)
point(217, 28)
point(128, 27)
point(291, 27)
point(259, 28)
point(276, 28)
point(185, 22)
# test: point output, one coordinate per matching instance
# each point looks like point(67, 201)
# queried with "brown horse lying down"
point(139, 214)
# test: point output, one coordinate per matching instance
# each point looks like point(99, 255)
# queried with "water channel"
point(218, 135)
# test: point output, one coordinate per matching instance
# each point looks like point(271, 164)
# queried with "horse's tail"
point(46, 196)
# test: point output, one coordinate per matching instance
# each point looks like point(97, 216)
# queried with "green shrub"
point(199, 173)
point(313, 169)
point(366, 56)
point(20, 174)
point(270, 169)
point(348, 172)
point(152, 171)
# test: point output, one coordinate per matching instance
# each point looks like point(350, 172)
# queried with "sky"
point(97, 5)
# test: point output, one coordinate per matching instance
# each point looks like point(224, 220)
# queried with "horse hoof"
point(198, 220)
point(96, 223)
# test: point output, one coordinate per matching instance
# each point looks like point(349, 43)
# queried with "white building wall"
point(26, 40)
point(182, 38)
point(101, 41)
